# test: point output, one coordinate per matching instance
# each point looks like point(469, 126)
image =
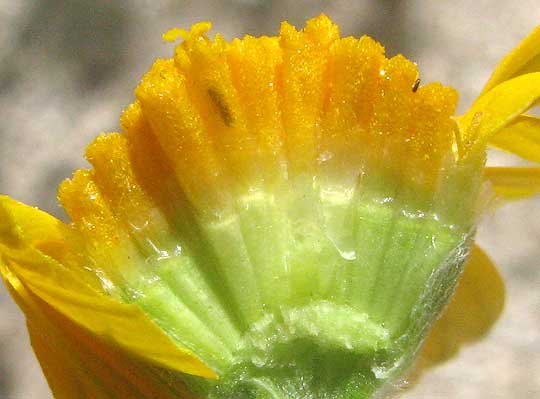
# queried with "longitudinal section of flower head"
point(261, 182)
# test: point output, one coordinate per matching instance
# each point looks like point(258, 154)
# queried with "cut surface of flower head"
point(279, 217)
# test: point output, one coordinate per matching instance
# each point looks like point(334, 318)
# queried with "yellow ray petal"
point(477, 304)
point(521, 137)
point(78, 364)
point(64, 290)
point(514, 183)
point(524, 58)
point(497, 109)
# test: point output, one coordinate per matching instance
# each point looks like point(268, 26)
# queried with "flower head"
point(279, 217)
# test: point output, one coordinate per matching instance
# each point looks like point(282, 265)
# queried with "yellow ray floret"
point(42, 279)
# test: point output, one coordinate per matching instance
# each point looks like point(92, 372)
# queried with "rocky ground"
point(67, 68)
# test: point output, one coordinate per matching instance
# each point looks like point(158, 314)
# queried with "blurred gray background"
point(67, 69)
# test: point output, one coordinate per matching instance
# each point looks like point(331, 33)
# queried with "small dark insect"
point(219, 102)
point(416, 85)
